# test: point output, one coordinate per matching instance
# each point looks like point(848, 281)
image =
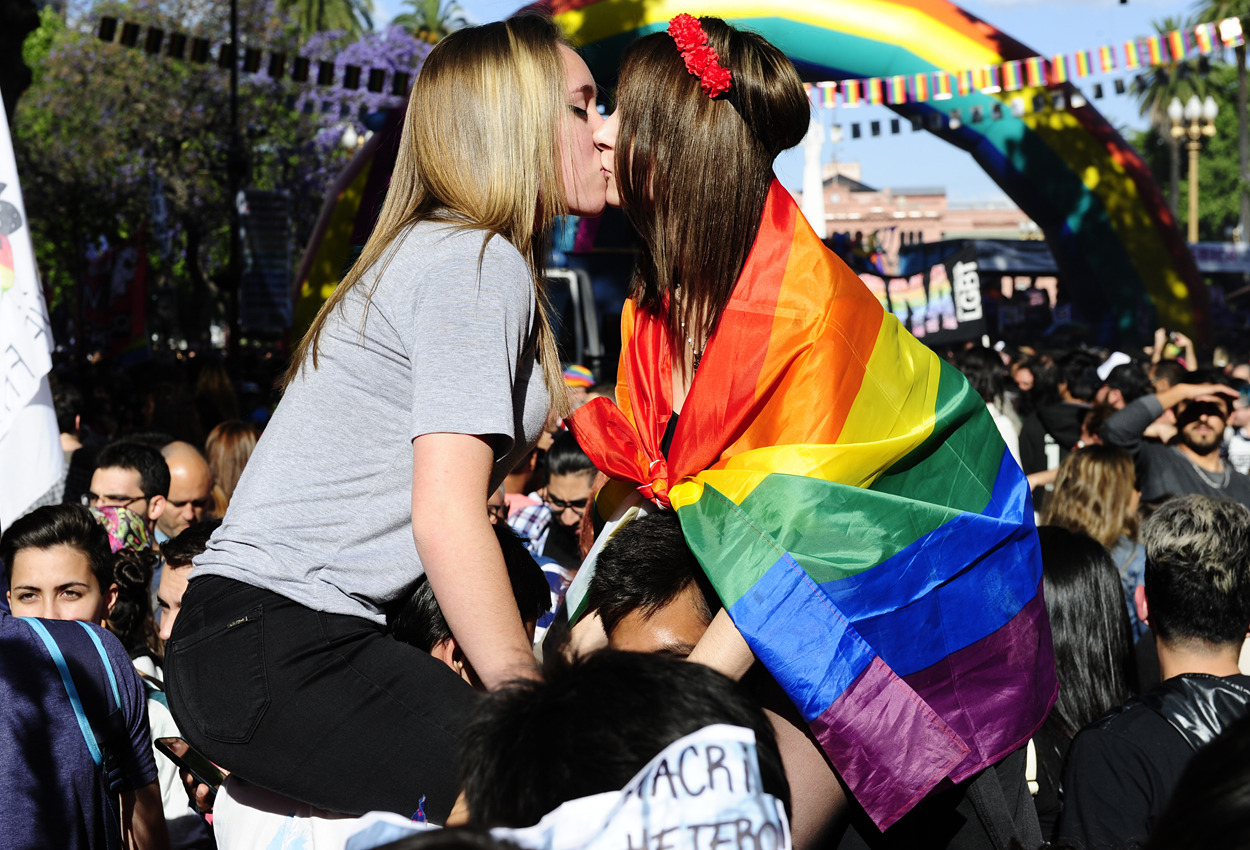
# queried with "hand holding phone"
point(196, 766)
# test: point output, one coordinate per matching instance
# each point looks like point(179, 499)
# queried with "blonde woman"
point(422, 381)
point(1096, 494)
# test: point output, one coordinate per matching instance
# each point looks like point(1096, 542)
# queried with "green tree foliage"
point(312, 16)
point(1218, 171)
point(104, 127)
point(1212, 10)
point(431, 19)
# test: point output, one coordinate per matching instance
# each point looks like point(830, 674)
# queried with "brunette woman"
point(822, 461)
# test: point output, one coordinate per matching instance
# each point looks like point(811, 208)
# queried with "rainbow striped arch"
point(1112, 234)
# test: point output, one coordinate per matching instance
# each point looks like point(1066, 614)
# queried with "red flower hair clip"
point(701, 60)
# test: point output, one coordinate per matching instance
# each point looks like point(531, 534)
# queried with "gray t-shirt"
point(322, 514)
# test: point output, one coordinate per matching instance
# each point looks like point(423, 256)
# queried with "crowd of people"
point(447, 581)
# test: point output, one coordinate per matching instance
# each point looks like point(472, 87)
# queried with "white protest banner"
point(31, 461)
point(702, 792)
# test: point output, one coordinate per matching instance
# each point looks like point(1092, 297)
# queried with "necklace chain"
point(696, 354)
point(1218, 485)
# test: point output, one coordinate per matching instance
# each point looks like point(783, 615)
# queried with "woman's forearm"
point(462, 559)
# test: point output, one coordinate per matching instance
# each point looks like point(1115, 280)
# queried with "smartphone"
point(192, 761)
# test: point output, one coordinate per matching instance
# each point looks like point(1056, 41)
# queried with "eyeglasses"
point(95, 500)
point(559, 506)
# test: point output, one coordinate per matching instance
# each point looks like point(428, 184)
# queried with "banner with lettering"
point(940, 305)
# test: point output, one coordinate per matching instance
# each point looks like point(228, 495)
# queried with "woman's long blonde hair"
point(1094, 495)
point(478, 151)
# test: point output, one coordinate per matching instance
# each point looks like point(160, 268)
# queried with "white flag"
point(31, 460)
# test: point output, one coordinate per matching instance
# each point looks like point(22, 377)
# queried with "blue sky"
point(918, 159)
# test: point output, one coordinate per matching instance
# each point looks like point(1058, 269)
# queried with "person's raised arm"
point(723, 648)
point(461, 556)
point(1124, 428)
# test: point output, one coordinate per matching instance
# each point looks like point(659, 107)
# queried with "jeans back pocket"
point(220, 675)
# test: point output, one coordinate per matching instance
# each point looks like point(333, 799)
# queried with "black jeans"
point(324, 708)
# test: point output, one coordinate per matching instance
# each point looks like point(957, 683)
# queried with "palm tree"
point(1155, 88)
point(1215, 10)
point(350, 16)
point(431, 19)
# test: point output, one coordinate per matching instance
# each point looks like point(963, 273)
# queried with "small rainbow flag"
point(992, 81)
point(920, 87)
point(1082, 63)
point(853, 505)
point(1231, 33)
point(941, 85)
point(876, 91)
point(1154, 50)
point(829, 95)
point(1059, 69)
point(1035, 70)
point(851, 92)
point(898, 89)
point(1178, 44)
point(1131, 58)
point(1204, 37)
point(1106, 59)
point(963, 79)
point(1012, 80)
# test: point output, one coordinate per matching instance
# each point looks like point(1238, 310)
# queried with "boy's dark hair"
point(131, 619)
point(1197, 575)
point(147, 461)
point(985, 372)
point(1079, 370)
point(57, 525)
point(591, 726)
point(1131, 380)
point(67, 401)
point(190, 544)
point(644, 567)
point(420, 622)
point(1171, 371)
point(565, 457)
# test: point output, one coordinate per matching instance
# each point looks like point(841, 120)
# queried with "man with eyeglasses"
point(550, 528)
point(130, 475)
point(1192, 463)
point(190, 490)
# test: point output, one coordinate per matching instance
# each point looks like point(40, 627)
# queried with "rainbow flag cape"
point(851, 501)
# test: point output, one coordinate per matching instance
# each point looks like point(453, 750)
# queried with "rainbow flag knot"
point(870, 536)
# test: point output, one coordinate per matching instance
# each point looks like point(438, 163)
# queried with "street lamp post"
point(1201, 117)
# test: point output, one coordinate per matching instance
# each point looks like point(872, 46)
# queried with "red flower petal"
point(716, 81)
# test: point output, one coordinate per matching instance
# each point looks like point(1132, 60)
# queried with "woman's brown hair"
point(694, 171)
point(1094, 494)
point(228, 448)
point(479, 151)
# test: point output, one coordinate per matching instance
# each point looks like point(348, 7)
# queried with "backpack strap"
point(58, 658)
point(104, 659)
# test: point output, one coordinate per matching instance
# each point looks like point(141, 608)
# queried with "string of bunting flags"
point(301, 69)
point(1033, 72)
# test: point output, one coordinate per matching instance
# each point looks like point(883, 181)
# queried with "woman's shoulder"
point(445, 246)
